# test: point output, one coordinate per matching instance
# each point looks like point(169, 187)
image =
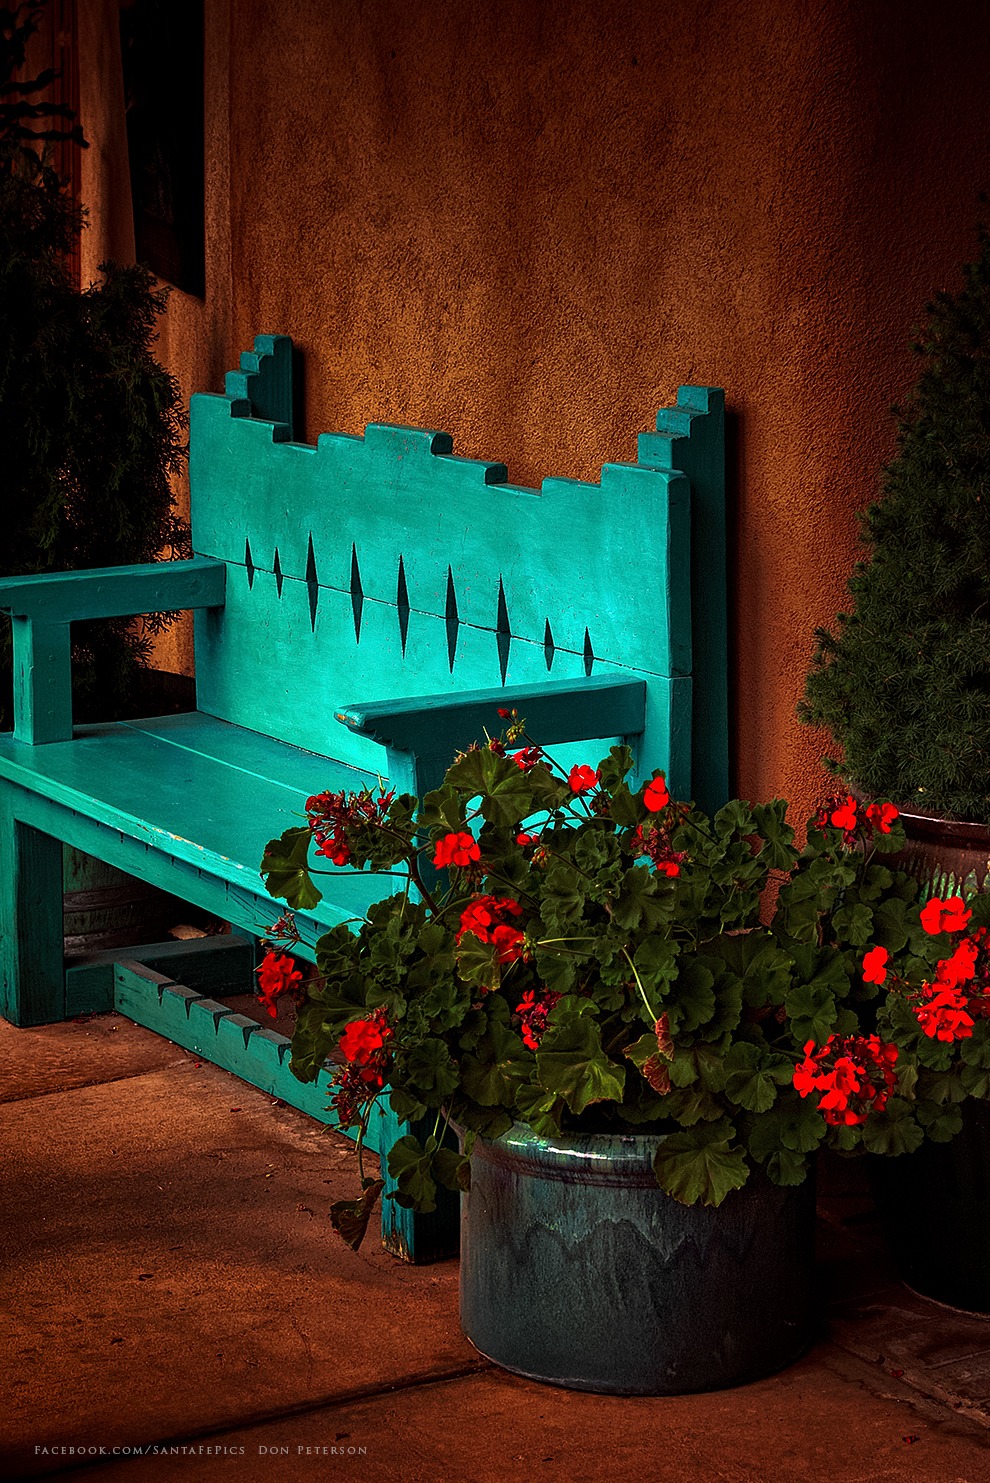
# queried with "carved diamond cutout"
point(357, 594)
point(249, 565)
point(402, 604)
point(549, 647)
point(277, 569)
point(451, 619)
point(312, 583)
point(589, 654)
point(503, 634)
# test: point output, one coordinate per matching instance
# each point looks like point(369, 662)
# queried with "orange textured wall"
point(526, 222)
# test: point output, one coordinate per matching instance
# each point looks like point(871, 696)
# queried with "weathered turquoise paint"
point(377, 581)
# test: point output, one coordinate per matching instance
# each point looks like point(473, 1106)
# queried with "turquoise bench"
point(362, 607)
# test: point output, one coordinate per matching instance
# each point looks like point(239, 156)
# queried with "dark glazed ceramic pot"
point(934, 1204)
point(578, 1270)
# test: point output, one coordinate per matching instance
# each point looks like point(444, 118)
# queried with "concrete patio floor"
point(171, 1280)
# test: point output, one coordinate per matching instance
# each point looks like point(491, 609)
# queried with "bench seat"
point(198, 799)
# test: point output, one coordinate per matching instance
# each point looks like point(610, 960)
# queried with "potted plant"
point(903, 686)
point(577, 975)
point(91, 427)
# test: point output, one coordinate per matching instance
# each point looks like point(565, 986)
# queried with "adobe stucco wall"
point(526, 222)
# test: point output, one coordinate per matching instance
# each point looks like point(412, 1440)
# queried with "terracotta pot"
point(949, 858)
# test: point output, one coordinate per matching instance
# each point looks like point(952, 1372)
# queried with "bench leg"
point(415, 1238)
point(32, 976)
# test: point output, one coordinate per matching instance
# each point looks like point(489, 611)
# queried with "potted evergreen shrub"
point(90, 424)
point(903, 685)
point(575, 973)
point(92, 430)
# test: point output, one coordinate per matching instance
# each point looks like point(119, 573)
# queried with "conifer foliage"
point(90, 424)
point(903, 684)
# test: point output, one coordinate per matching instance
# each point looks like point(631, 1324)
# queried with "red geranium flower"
point(360, 1040)
point(944, 916)
point(277, 975)
point(488, 918)
point(456, 849)
point(943, 1014)
point(583, 778)
point(533, 1010)
point(510, 943)
point(852, 1074)
point(961, 967)
point(656, 796)
point(527, 758)
point(881, 816)
point(844, 817)
point(875, 965)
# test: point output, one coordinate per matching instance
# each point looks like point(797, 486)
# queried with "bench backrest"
point(376, 567)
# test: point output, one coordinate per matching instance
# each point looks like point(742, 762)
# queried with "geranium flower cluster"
point(653, 838)
point(330, 815)
point(489, 918)
point(534, 1010)
point(524, 759)
point(852, 1075)
point(857, 821)
point(278, 975)
point(948, 1007)
point(459, 848)
point(364, 1045)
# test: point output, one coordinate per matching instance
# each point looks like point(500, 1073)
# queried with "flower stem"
point(639, 984)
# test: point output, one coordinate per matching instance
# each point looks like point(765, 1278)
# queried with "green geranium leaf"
point(691, 999)
point(283, 866)
point(656, 961)
point(507, 794)
point(430, 1068)
point(572, 1065)
point(491, 1075)
point(735, 817)
point(854, 924)
point(624, 809)
point(690, 1105)
point(410, 1165)
point(452, 1169)
point(558, 971)
point(350, 1218)
point(443, 810)
point(636, 904)
point(754, 1076)
point(890, 925)
point(407, 1108)
point(538, 1108)
point(940, 1123)
point(787, 1168)
point(975, 1051)
point(892, 1131)
point(794, 1126)
point(778, 836)
point(701, 1166)
point(477, 962)
point(615, 768)
point(812, 1011)
point(975, 1081)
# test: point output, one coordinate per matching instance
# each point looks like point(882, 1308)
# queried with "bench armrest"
point(421, 734)
point(42, 607)
point(115, 591)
